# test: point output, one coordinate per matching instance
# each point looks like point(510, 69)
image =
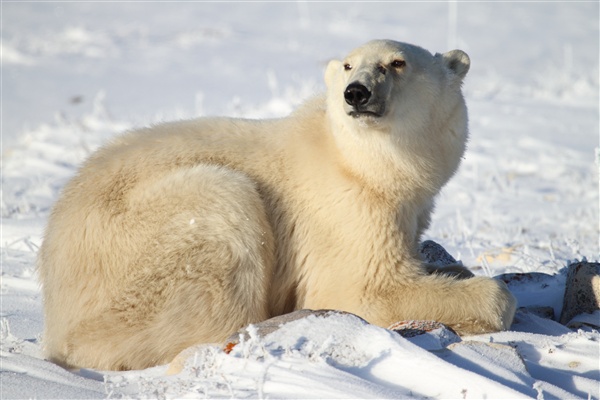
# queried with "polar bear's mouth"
point(364, 113)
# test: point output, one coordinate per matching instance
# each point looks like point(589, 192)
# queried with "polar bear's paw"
point(491, 307)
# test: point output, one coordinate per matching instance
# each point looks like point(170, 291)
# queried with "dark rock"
point(413, 328)
point(438, 261)
point(435, 254)
point(582, 292)
point(527, 277)
point(429, 335)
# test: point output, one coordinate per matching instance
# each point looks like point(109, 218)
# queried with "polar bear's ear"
point(457, 61)
point(333, 68)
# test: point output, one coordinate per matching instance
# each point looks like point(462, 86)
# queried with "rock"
point(261, 329)
point(438, 261)
point(582, 292)
point(414, 328)
point(435, 254)
point(535, 278)
point(429, 335)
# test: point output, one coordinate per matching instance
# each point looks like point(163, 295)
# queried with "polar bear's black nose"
point(357, 94)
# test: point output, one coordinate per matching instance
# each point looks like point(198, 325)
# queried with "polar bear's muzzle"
point(361, 103)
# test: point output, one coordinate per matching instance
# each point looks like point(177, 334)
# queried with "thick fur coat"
point(181, 233)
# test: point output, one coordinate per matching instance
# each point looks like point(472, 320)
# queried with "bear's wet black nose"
point(357, 94)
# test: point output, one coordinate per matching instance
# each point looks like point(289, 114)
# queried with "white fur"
point(181, 233)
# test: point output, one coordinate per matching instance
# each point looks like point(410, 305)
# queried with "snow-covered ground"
point(525, 199)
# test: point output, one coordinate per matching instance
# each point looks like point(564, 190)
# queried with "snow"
point(525, 199)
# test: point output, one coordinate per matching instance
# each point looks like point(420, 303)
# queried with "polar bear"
point(181, 233)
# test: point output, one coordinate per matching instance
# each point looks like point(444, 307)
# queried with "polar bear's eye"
point(347, 67)
point(398, 63)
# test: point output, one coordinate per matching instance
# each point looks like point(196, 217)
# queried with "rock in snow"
point(582, 293)
point(435, 254)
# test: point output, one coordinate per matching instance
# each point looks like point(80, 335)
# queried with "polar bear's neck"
point(401, 169)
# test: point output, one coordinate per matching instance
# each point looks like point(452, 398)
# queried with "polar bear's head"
point(406, 93)
point(385, 82)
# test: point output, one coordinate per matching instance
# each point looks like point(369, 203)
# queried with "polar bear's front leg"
point(469, 306)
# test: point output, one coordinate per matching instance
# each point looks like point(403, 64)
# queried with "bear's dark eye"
point(381, 69)
point(347, 67)
point(398, 63)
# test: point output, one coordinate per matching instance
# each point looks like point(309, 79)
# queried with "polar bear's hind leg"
point(204, 274)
